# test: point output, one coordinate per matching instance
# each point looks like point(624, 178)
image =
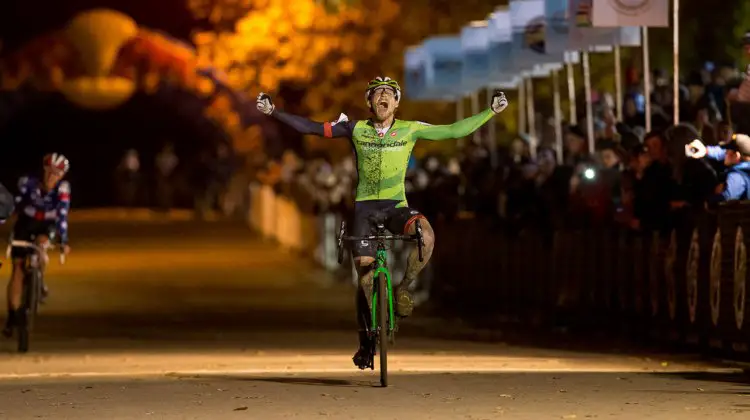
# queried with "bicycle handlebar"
point(417, 237)
point(406, 238)
point(37, 248)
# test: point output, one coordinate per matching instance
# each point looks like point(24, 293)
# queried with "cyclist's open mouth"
point(383, 105)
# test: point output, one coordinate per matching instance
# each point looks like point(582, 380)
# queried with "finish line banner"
point(617, 13)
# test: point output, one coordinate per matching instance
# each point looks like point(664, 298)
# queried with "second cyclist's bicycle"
point(32, 288)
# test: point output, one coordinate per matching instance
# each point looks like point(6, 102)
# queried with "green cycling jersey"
point(383, 156)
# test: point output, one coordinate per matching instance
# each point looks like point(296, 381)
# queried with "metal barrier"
point(687, 286)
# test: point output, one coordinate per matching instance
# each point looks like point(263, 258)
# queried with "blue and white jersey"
point(52, 206)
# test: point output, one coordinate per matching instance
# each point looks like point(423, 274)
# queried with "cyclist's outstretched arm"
point(463, 128)
point(305, 126)
point(63, 208)
point(456, 130)
point(340, 128)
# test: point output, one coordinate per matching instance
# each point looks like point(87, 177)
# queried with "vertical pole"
point(474, 97)
point(589, 105)
point(647, 78)
point(558, 114)
point(460, 116)
point(492, 135)
point(522, 106)
point(572, 92)
point(676, 58)
point(531, 117)
point(618, 83)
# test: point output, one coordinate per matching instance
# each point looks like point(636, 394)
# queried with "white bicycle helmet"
point(56, 162)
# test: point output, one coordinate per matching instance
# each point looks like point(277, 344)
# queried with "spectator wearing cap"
point(736, 157)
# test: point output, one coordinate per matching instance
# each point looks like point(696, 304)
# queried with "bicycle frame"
point(381, 266)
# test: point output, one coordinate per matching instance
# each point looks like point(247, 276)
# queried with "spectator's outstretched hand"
point(696, 149)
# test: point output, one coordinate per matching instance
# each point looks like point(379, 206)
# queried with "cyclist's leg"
point(364, 255)
point(401, 220)
point(43, 240)
point(14, 293)
point(14, 290)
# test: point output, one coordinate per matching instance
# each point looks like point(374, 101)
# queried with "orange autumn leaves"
point(261, 45)
point(280, 41)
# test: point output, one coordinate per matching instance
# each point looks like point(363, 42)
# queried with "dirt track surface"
point(180, 320)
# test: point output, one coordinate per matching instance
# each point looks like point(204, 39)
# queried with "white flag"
point(613, 13)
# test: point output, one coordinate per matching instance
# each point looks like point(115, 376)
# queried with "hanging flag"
point(582, 36)
point(414, 72)
point(617, 13)
point(475, 44)
point(501, 49)
point(528, 24)
point(444, 66)
point(582, 13)
point(557, 32)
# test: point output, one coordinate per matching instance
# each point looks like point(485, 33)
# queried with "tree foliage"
point(272, 42)
point(328, 55)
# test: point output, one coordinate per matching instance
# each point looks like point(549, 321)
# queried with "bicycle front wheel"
point(383, 312)
point(32, 288)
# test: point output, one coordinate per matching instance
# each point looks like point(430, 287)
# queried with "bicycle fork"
point(374, 310)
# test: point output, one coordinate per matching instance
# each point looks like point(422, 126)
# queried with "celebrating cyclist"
point(383, 145)
point(42, 208)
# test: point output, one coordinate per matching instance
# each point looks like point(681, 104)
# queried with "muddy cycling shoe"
point(364, 358)
point(404, 303)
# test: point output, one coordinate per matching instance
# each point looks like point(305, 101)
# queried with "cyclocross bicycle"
point(382, 326)
point(32, 288)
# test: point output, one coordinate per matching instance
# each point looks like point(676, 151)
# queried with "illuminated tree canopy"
point(280, 41)
point(266, 44)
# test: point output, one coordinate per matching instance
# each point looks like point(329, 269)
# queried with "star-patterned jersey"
point(52, 206)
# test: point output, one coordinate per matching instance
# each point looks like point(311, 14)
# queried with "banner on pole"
point(618, 13)
point(529, 28)
point(582, 36)
point(500, 46)
point(563, 33)
point(444, 66)
point(557, 31)
point(582, 13)
point(414, 73)
point(475, 44)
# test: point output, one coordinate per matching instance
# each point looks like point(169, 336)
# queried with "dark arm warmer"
point(305, 126)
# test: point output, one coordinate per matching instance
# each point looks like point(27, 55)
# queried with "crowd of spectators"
point(634, 178)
